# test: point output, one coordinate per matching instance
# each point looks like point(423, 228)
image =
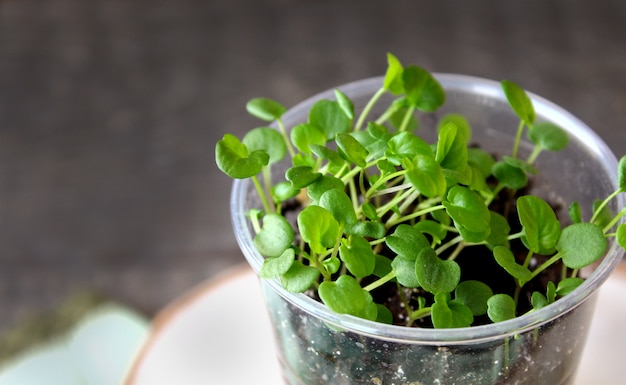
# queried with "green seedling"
point(381, 210)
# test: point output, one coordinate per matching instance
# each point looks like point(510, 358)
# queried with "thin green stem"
point(376, 242)
point(448, 244)
point(545, 265)
point(614, 220)
point(396, 220)
point(368, 107)
point(256, 225)
point(262, 196)
point(533, 156)
point(419, 314)
point(529, 257)
point(459, 247)
point(518, 138)
point(563, 272)
point(387, 114)
point(400, 196)
point(354, 171)
point(373, 190)
point(393, 189)
point(380, 281)
point(283, 131)
point(354, 195)
point(343, 169)
point(267, 182)
point(603, 204)
point(362, 179)
point(495, 193)
point(518, 289)
point(406, 119)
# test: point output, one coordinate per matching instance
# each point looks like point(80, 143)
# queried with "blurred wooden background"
point(110, 110)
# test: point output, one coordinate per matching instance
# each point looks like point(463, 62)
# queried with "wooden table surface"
point(110, 110)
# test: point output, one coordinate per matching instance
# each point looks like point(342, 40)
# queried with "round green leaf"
point(548, 136)
point(519, 101)
point(452, 147)
point(393, 75)
point(301, 176)
point(474, 294)
point(369, 229)
point(334, 159)
point(369, 210)
point(521, 164)
point(450, 314)
point(406, 145)
point(374, 139)
point(351, 150)
point(323, 184)
point(384, 315)
point(234, 159)
point(453, 177)
point(551, 292)
point(337, 202)
point(621, 235)
point(357, 254)
point(345, 103)
point(481, 160)
point(265, 109)
point(404, 269)
point(500, 229)
point(282, 191)
point(467, 209)
point(539, 223)
point(568, 285)
point(275, 236)
point(332, 264)
point(422, 90)
point(318, 228)
point(510, 176)
point(329, 117)
point(506, 260)
point(345, 296)
point(383, 266)
point(478, 181)
point(434, 274)
point(581, 244)
point(460, 122)
point(538, 300)
point(300, 159)
point(442, 217)
point(472, 236)
point(407, 241)
point(268, 140)
point(299, 277)
point(305, 134)
point(275, 267)
point(432, 228)
point(426, 176)
point(501, 307)
point(575, 212)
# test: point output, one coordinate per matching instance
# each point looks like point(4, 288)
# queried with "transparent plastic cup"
point(317, 346)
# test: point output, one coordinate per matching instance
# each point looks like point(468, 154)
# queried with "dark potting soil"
point(476, 263)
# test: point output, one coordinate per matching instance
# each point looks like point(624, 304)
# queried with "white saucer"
point(202, 338)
